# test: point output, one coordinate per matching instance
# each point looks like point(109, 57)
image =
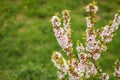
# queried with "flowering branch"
point(85, 67)
point(63, 34)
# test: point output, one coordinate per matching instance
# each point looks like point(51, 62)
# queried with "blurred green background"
point(27, 39)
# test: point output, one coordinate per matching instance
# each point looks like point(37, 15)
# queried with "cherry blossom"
point(84, 65)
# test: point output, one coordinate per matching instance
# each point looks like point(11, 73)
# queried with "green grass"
point(27, 39)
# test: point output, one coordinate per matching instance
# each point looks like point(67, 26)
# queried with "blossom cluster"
point(92, 7)
point(61, 64)
point(85, 65)
point(92, 45)
point(104, 76)
point(89, 67)
point(108, 30)
point(117, 69)
point(63, 34)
